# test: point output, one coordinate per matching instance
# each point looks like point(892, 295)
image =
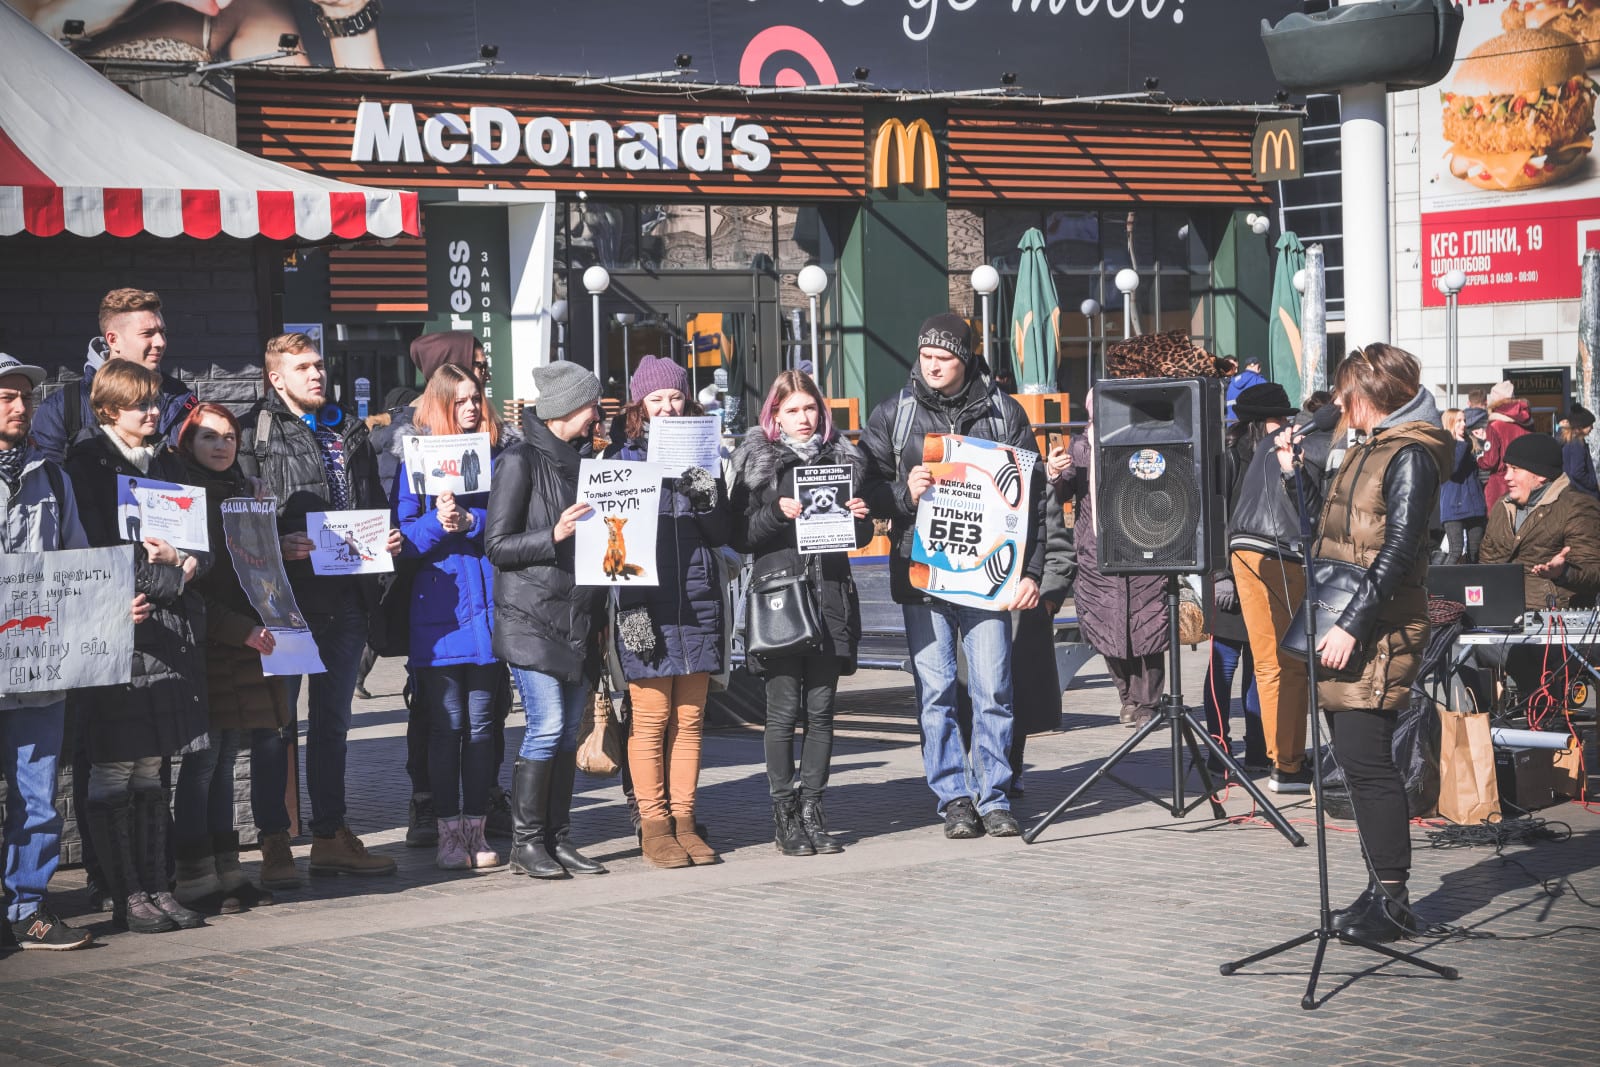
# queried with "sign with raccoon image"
point(971, 534)
point(615, 544)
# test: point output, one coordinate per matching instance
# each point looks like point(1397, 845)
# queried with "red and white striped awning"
point(80, 155)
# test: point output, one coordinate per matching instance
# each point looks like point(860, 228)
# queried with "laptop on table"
point(1492, 592)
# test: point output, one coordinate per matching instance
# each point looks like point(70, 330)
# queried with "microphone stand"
point(1324, 931)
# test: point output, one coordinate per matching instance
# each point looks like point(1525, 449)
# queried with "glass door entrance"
point(718, 345)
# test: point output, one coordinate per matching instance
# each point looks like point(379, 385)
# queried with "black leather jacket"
point(1410, 495)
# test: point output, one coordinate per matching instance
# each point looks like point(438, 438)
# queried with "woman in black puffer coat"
point(133, 728)
point(796, 431)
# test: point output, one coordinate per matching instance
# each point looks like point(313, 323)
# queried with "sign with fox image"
point(65, 619)
point(971, 535)
point(615, 544)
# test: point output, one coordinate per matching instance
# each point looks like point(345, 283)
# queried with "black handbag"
point(782, 617)
point(1336, 583)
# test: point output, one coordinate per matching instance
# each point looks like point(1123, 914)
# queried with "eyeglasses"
point(153, 404)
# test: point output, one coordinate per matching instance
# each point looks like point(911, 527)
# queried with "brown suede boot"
point(700, 853)
point(661, 849)
point(277, 862)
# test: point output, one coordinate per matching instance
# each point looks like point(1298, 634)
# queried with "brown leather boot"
point(277, 862)
point(343, 853)
point(661, 849)
point(700, 853)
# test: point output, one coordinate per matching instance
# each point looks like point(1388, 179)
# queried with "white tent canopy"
point(80, 155)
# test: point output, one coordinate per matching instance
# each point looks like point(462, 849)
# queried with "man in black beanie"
point(950, 392)
point(1553, 530)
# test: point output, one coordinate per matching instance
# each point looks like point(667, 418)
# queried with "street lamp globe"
point(1453, 282)
point(597, 280)
point(1090, 308)
point(626, 318)
point(812, 280)
point(1127, 280)
point(985, 280)
point(559, 311)
point(1300, 280)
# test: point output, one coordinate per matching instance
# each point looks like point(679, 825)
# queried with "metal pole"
point(595, 299)
point(816, 357)
point(986, 355)
point(626, 370)
point(1088, 362)
point(1452, 340)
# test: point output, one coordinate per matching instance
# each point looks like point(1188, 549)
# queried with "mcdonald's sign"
point(899, 143)
point(1277, 153)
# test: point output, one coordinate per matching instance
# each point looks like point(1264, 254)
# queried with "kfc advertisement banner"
point(1510, 186)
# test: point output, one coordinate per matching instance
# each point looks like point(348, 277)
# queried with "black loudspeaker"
point(1159, 499)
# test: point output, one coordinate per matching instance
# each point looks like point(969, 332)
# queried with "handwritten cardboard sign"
point(65, 619)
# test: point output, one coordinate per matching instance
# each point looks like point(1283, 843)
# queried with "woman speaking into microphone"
point(1374, 527)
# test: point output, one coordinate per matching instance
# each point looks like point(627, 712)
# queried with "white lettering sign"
point(492, 136)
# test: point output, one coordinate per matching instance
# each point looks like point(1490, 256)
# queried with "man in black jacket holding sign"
point(950, 392)
point(331, 467)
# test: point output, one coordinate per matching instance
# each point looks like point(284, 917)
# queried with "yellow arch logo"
point(900, 141)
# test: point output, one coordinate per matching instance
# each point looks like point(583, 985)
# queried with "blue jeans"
point(202, 799)
point(459, 701)
point(932, 631)
point(340, 638)
point(30, 746)
point(1227, 657)
point(554, 709)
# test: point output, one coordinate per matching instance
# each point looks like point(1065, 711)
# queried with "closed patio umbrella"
point(1035, 318)
point(1284, 349)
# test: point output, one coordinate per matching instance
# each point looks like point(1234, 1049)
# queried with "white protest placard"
point(450, 463)
point(686, 441)
point(175, 513)
point(825, 524)
point(66, 619)
point(616, 542)
point(349, 542)
point(250, 528)
point(971, 535)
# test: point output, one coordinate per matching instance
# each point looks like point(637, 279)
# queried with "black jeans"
point(1363, 742)
point(801, 690)
point(1462, 537)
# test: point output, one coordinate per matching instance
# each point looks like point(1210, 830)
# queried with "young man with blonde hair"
point(318, 458)
point(133, 328)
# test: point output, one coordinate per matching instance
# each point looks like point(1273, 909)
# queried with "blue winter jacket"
point(1241, 381)
point(1579, 467)
point(686, 607)
point(452, 598)
point(1461, 494)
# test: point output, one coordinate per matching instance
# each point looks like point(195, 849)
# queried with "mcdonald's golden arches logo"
point(1277, 153)
point(899, 143)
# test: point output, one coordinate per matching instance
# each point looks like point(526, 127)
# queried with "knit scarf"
point(139, 455)
point(11, 461)
point(806, 450)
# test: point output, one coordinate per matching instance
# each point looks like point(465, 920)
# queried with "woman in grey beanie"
point(544, 623)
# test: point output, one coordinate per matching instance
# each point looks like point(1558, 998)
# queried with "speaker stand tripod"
point(1324, 931)
point(1185, 732)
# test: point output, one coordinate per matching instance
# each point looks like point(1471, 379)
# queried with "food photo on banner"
point(1510, 181)
point(175, 513)
point(615, 544)
point(64, 619)
point(971, 531)
point(1076, 47)
point(448, 463)
point(250, 528)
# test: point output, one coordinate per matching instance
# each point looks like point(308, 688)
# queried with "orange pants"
point(664, 743)
point(1270, 589)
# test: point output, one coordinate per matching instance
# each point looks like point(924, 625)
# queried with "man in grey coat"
point(37, 514)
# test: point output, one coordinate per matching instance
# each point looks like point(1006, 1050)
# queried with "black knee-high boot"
point(530, 810)
point(110, 825)
point(563, 776)
point(151, 819)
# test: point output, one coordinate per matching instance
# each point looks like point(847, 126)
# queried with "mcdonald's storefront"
point(704, 206)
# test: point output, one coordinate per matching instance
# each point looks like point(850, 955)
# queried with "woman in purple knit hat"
point(669, 636)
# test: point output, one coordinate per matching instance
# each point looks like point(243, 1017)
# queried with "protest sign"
point(175, 513)
point(971, 534)
point(449, 463)
point(349, 542)
point(250, 528)
point(65, 619)
point(687, 441)
point(617, 541)
point(825, 524)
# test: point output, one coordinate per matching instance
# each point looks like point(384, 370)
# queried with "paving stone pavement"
point(1099, 944)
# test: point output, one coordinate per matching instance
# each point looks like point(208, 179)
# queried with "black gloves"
point(700, 487)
